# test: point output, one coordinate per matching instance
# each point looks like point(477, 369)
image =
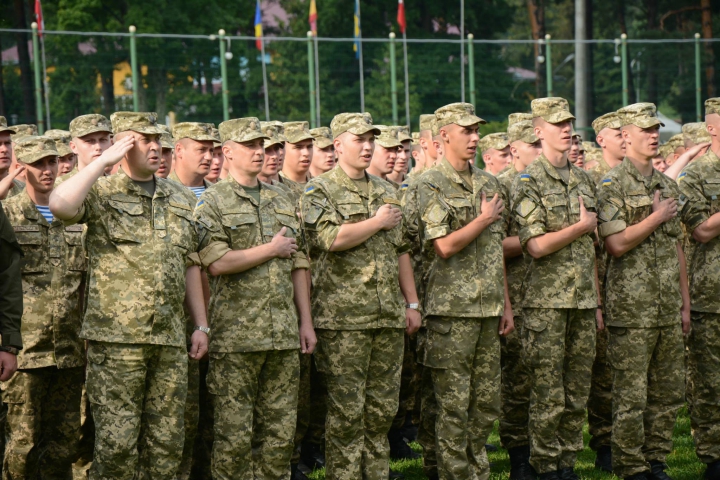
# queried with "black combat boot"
point(568, 474)
point(520, 468)
point(311, 455)
point(399, 450)
point(657, 471)
point(603, 460)
point(395, 475)
point(639, 476)
point(549, 476)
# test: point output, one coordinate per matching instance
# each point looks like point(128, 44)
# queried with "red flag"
point(401, 16)
point(39, 17)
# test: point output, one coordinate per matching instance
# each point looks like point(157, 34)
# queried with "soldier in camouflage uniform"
point(9, 184)
point(43, 422)
point(248, 241)
point(425, 139)
point(515, 389)
point(495, 152)
point(140, 241)
point(323, 159)
point(554, 205)
point(21, 131)
point(90, 137)
point(645, 292)
point(694, 134)
point(700, 187)
point(66, 158)
point(608, 135)
point(167, 142)
point(298, 153)
point(356, 236)
point(676, 147)
point(385, 154)
point(465, 303)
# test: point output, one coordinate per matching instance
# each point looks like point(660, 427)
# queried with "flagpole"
point(360, 58)
point(45, 82)
point(462, 51)
point(264, 73)
point(407, 82)
point(317, 80)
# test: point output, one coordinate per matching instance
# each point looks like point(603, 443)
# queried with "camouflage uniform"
point(138, 248)
point(642, 308)
point(43, 420)
point(463, 300)
point(700, 187)
point(294, 132)
point(17, 185)
point(253, 372)
point(695, 133)
point(359, 315)
point(559, 303)
point(23, 130)
point(515, 389)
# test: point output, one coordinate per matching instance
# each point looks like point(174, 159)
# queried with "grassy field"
point(684, 464)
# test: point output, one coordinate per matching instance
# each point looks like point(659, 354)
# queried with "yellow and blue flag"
point(356, 33)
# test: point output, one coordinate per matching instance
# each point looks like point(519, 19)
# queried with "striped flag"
point(39, 17)
point(258, 27)
point(312, 18)
point(357, 31)
point(401, 16)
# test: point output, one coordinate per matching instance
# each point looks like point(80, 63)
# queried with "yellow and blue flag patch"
point(606, 182)
point(681, 176)
point(309, 190)
point(524, 177)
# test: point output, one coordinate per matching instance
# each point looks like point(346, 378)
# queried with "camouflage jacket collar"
point(285, 178)
point(174, 176)
point(124, 181)
point(31, 212)
point(603, 165)
point(266, 194)
point(576, 175)
point(655, 181)
point(375, 189)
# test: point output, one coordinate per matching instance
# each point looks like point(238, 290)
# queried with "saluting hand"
point(284, 247)
point(7, 182)
point(117, 151)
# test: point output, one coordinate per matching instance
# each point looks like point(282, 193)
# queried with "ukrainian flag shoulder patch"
point(606, 182)
point(200, 204)
point(309, 190)
point(403, 187)
point(681, 176)
point(524, 177)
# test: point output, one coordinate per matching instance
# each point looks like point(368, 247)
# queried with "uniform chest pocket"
point(462, 210)
point(711, 190)
point(34, 252)
point(285, 218)
point(126, 220)
point(639, 207)
point(180, 225)
point(556, 206)
point(77, 259)
point(241, 228)
point(353, 212)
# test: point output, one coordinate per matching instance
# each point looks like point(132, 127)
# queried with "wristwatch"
point(413, 306)
point(205, 330)
point(9, 349)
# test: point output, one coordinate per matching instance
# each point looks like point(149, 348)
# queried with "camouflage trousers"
point(137, 393)
point(428, 411)
point(704, 344)
point(463, 355)
point(559, 349)
point(255, 402)
point(410, 378)
point(514, 391)
point(600, 401)
point(312, 406)
point(43, 422)
point(192, 414)
point(202, 453)
point(81, 467)
point(648, 390)
point(362, 371)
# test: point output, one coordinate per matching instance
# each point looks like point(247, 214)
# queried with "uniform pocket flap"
point(131, 208)
point(458, 202)
point(348, 209)
point(637, 201)
point(237, 219)
point(439, 326)
point(534, 324)
point(29, 238)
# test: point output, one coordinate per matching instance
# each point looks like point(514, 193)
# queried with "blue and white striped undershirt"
point(197, 190)
point(45, 212)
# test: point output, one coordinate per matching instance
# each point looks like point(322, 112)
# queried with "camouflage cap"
point(427, 122)
point(403, 132)
point(216, 134)
point(498, 141)
point(522, 130)
point(551, 109)
point(462, 114)
point(665, 150)
point(4, 126)
point(608, 120)
point(388, 137)
point(32, 148)
point(514, 118)
point(576, 134)
point(140, 122)
point(695, 132)
point(355, 123)
point(643, 115)
point(415, 138)
point(272, 131)
point(297, 132)
point(593, 155)
point(712, 105)
point(62, 141)
point(587, 146)
point(241, 130)
point(200, 132)
point(166, 138)
point(24, 130)
point(90, 123)
point(323, 137)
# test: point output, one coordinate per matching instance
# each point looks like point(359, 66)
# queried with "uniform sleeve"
point(528, 211)
point(88, 210)
point(696, 208)
point(506, 215)
point(321, 219)
point(410, 214)
point(11, 295)
point(300, 258)
point(611, 208)
point(434, 212)
point(213, 240)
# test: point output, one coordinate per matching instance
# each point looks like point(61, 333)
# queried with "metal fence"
point(215, 77)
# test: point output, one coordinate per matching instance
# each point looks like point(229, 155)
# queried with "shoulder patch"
point(526, 207)
point(606, 182)
point(681, 176)
point(309, 190)
point(200, 204)
point(524, 177)
point(403, 187)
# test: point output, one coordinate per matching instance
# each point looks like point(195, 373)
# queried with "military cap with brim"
point(166, 138)
point(297, 132)
point(643, 115)
point(90, 123)
point(216, 134)
point(24, 130)
point(62, 141)
point(277, 126)
point(551, 109)
point(4, 126)
point(33, 148)
point(712, 105)
point(427, 122)
point(241, 130)
point(200, 132)
point(497, 141)
point(272, 132)
point(696, 132)
point(140, 122)
point(403, 133)
point(522, 130)
point(322, 137)
point(462, 114)
point(666, 150)
point(676, 141)
point(609, 120)
point(355, 123)
point(514, 118)
point(388, 137)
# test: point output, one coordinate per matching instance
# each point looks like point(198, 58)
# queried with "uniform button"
point(162, 233)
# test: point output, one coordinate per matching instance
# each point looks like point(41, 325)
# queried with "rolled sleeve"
point(322, 223)
point(531, 231)
point(300, 261)
point(696, 209)
point(528, 211)
point(611, 228)
point(611, 209)
point(435, 216)
point(213, 252)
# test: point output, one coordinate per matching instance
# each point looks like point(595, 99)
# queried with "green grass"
point(683, 463)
